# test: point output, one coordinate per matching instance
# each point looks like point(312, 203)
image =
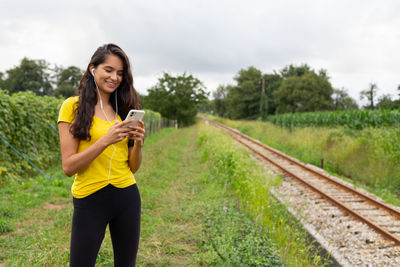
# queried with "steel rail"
point(329, 198)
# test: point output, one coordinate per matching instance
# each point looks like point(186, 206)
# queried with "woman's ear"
point(91, 69)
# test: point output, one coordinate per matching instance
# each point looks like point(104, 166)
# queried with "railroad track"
point(379, 216)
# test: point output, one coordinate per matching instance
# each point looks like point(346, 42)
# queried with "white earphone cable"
point(116, 117)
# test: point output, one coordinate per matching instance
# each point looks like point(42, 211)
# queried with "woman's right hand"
point(117, 132)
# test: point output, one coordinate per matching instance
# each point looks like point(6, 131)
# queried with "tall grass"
point(368, 157)
point(234, 169)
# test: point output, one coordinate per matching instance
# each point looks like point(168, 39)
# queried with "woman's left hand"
point(137, 133)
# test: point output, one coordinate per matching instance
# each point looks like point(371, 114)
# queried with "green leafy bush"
point(151, 116)
point(29, 123)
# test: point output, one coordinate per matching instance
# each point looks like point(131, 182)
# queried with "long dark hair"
point(127, 96)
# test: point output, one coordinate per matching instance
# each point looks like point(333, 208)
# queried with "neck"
point(105, 98)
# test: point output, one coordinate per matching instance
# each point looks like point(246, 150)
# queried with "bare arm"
point(135, 157)
point(72, 161)
point(135, 152)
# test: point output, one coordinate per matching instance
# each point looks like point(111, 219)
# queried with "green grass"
point(232, 238)
point(19, 195)
point(204, 203)
point(169, 187)
point(38, 213)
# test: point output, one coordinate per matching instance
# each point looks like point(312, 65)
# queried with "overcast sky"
point(357, 42)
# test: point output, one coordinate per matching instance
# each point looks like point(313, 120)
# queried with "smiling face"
point(108, 75)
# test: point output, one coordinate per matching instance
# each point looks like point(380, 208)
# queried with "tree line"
point(292, 89)
point(41, 78)
point(175, 97)
point(255, 95)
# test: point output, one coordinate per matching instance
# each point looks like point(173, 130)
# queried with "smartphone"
point(136, 115)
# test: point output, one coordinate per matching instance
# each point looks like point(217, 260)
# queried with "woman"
point(103, 155)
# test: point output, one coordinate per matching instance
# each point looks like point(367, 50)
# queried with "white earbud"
point(93, 71)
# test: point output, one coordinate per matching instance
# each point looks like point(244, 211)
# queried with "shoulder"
point(71, 100)
point(66, 113)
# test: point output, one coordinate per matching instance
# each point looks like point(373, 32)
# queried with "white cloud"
point(356, 41)
point(63, 42)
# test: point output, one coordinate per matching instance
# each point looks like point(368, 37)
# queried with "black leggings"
point(117, 207)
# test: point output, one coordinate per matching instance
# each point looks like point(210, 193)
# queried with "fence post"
point(146, 127)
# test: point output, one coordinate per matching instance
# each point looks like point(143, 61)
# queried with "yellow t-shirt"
point(95, 176)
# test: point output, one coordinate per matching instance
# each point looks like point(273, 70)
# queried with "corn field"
point(354, 119)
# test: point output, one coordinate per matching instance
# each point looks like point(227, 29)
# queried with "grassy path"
point(190, 214)
point(171, 198)
point(39, 211)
